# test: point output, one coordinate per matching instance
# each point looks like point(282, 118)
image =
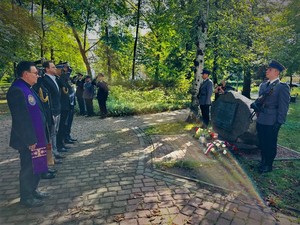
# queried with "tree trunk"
point(247, 82)
point(201, 25)
point(108, 54)
point(43, 29)
point(76, 35)
point(136, 39)
point(82, 52)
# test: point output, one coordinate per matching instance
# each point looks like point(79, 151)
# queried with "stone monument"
point(230, 117)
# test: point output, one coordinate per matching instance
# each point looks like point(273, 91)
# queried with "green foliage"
point(115, 50)
point(288, 135)
point(6, 79)
point(286, 43)
point(17, 36)
point(124, 101)
point(242, 35)
point(170, 128)
point(64, 46)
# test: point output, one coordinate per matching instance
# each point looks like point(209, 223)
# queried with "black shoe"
point(62, 149)
point(31, 202)
point(48, 175)
point(40, 195)
point(58, 161)
point(66, 147)
point(72, 139)
point(68, 141)
point(59, 156)
point(52, 171)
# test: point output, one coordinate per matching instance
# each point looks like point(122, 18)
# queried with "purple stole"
point(39, 154)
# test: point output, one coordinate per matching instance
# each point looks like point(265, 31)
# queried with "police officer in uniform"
point(204, 96)
point(272, 114)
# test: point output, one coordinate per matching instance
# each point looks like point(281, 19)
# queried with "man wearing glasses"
point(28, 133)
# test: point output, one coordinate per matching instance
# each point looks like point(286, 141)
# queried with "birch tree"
point(201, 29)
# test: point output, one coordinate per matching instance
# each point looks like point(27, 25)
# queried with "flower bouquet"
point(202, 132)
point(216, 146)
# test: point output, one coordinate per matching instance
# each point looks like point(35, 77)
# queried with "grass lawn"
point(282, 186)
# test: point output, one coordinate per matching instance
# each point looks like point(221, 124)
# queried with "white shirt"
point(54, 80)
point(272, 81)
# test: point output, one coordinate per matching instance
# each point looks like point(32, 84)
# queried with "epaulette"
point(283, 83)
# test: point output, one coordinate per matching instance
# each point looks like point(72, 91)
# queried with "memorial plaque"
point(226, 113)
point(230, 118)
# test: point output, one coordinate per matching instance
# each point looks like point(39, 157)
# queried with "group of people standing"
point(42, 110)
point(85, 92)
point(271, 109)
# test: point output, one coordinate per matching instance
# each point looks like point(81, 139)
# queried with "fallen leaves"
point(119, 218)
point(80, 210)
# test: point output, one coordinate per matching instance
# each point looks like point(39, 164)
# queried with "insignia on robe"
point(31, 100)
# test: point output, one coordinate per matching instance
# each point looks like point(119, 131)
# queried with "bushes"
point(124, 101)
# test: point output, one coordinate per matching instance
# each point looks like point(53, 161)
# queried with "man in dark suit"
point(102, 94)
point(62, 81)
point(204, 96)
point(54, 91)
point(79, 81)
point(272, 114)
point(28, 132)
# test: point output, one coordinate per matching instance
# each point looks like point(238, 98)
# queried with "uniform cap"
point(276, 65)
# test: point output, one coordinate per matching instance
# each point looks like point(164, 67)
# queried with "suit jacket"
point(88, 92)
point(205, 92)
point(79, 88)
point(43, 93)
point(54, 95)
point(102, 92)
point(64, 95)
point(276, 104)
point(22, 131)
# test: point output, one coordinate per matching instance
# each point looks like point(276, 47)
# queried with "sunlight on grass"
point(289, 133)
point(184, 164)
point(170, 128)
point(282, 185)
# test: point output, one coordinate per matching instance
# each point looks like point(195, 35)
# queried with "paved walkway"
point(105, 179)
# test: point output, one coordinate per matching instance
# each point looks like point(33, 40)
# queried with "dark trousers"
point(102, 106)
point(69, 123)
point(62, 128)
point(205, 114)
point(28, 181)
point(81, 104)
point(267, 138)
point(89, 106)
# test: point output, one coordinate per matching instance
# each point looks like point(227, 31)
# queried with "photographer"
point(220, 89)
point(271, 109)
point(79, 82)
